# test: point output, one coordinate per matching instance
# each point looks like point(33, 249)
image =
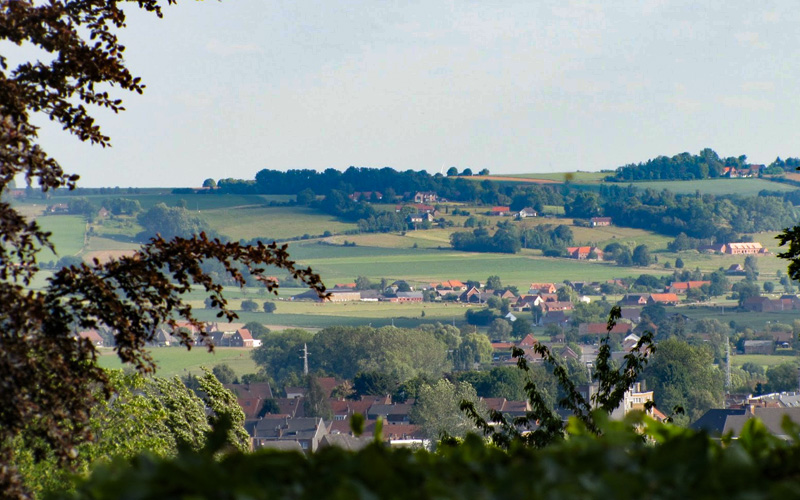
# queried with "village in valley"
point(569, 318)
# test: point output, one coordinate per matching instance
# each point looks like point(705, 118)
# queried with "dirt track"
point(515, 179)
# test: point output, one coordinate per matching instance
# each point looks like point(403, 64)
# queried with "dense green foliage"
point(697, 216)
point(684, 375)
point(552, 240)
point(684, 166)
point(170, 222)
point(669, 463)
point(345, 352)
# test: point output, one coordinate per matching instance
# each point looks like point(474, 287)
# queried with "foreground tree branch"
point(49, 377)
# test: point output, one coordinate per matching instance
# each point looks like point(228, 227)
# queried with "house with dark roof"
point(759, 346)
point(761, 304)
point(243, 338)
point(634, 299)
point(251, 397)
point(395, 413)
point(307, 432)
point(719, 422)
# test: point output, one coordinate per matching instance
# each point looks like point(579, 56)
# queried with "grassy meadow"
point(67, 235)
point(764, 360)
point(258, 221)
point(747, 187)
point(178, 361)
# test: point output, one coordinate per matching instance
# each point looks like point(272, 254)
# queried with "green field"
point(272, 222)
point(754, 320)
point(747, 187)
point(67, 235)
point(173, 361)
point(575, 177)
point(338, 264)
point(761, 359)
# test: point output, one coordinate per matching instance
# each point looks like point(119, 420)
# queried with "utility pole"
point(304, 357)
point(728, 363)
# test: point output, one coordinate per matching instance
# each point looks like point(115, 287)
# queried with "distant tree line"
point(552, 240)
point(698, 216)
point(685, 166)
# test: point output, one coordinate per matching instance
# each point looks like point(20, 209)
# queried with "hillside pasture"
point(602, 236)
point(338, 264)
point(755, 320)
point(764, 360)
point(266, 222)
point(178, 361)
point(194, 202)
point(319, 321)
point(745, 187)
point(67, 235)
point(559, 177)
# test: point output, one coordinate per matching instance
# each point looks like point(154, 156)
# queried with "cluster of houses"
point(787, 302)
point(771, 409)
point(219, 334)
point(282, 422)
point(746, 248)
point(744, 172)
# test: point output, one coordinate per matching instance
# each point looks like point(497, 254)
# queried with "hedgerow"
point(633, 459)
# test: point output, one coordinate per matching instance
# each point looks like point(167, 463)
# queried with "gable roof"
point(92, 335)
point(244, 333)
point(664, 297)
point(602, 328)
point(687, 285)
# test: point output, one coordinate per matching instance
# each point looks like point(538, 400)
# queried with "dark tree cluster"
point(683, 166)
point(719, 217)
point(479, 240)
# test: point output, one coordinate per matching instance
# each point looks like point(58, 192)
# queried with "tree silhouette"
point(49, 376)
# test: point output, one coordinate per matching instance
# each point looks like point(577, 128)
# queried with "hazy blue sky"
point(241, 85)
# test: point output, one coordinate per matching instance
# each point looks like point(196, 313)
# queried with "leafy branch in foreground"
point(672, 463)
point(542, 425)
point(50, 379)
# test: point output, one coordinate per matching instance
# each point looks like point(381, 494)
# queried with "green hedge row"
point(659, 461)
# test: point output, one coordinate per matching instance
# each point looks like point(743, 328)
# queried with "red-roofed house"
point(449, 285)
point(542, 288)
point(500, 211)
point(665, 299)
point(93, 336)
point(685, 286)
point(583, 253)
point(242, 338)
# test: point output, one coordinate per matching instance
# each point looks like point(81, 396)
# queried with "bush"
point(269, 307)
point(673, 463)
point(249, 305)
